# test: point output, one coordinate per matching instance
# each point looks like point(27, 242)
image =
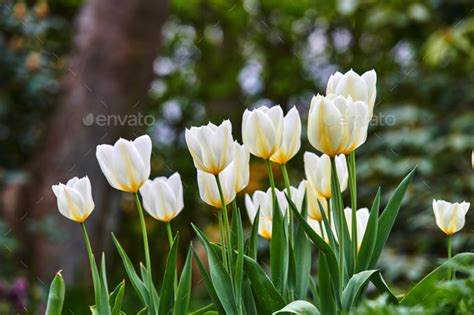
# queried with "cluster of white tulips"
point(350, 240)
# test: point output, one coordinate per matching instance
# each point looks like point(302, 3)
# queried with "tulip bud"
point(75, 198)
point(291, 139)
point(264, 201)
point(362, 218)
point(262, 130)
point(450, 217)
point(318, 172)
point(209, 191)
point(314, 202)
point(163, 197)
point(126, 164)
point(359, 88)
point(264, 225)
point(211, 146)
point(337, 124)
point(242, 166)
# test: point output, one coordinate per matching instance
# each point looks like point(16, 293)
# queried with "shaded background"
point(75, 73)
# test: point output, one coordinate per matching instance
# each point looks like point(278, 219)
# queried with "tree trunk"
point(104, 92)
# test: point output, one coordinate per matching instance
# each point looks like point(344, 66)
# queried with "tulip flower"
point(362, 218)
point(264, 225)
point(297, 194)
point(163, 197)
point(263, 200)
point(242, 166)
point(126, 164)
point(319, 228)
point(75, 198)
point(211, 146)
point(358, 87)
point(291, 139)
point(450, 217)
point(314, 200)
point(209, 191)
point(318, 172)
point(262, 130)
point(337, 124)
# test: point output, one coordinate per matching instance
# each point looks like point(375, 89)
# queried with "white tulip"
point(291, 140)
point(314, 201)
point(450, 217)
point(337, 124)
point(264, 201)
point(242, 166)
point(126, 164)
point(262, 130)
point(318, 172)
point(297, 195)
point(358, 87)
point(362, 218)
point(75, 198)
point(265, 224)
point(163, 197)
point(209, 191)
point(211, 146)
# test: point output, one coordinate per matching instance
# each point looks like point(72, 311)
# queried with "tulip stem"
point(353, 190)
point(328, 204)
point(288, 191)
point(272, 180)
point(147, 250)
point(340, 219)
point(221, 231)
point(93, 266)
point(449, 258)
point(226, 225)
point(170, 233)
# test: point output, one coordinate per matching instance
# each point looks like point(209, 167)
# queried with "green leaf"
point(423, 289)
point(203, 310)
point(184, 287)
point(156, 297)
point(116, 298)
point(321, 244)
point(252, 244)
point(135, 280)
point(299, 307)
point(239, 261)
point(302, 256)
point(388, 216)
point(326, 293)
point(354, 286)
point(382, 286)
point(314, 291)
point(207, 281)
point(370, 236)
point(248, 299)
point(167, 288)
point(267, 297)
point(143, 311)
point(103, 305)
point(220, 279)
point(56, 295)
point(279, 254)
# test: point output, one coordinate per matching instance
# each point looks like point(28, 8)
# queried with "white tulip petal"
point(105, 157)
point(128, 166)
point(144, 146)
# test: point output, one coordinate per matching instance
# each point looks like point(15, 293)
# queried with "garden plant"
point(323, 251)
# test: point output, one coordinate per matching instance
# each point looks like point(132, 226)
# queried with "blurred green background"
point(217, 58)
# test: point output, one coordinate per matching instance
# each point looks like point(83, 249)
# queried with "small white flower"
point(450, 217)
point(291, 140)
point(209, 190)
point(75, 198)
point(318, 172)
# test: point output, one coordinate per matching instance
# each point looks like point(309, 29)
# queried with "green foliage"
point(56, 296)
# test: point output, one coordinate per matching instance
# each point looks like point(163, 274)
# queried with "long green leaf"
point(303, 263)
point(354, 286)
point(183, 294)
point(208, 283)
point(103, 305)
point(388, 216)
point(267, 297)
point(116, 298)
point(326, 299)
point(155, 296)
point(220, 279)
point(279, 253)
point(56, 295)
point(248, 299)
point(382, 286)
point(423, 289)
point(239, 260)
point(204, 310)
point(299, 307)
point(135, 280)
point(370, 236)
point(252, 243)
point(167, 288)
point(321, 244)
